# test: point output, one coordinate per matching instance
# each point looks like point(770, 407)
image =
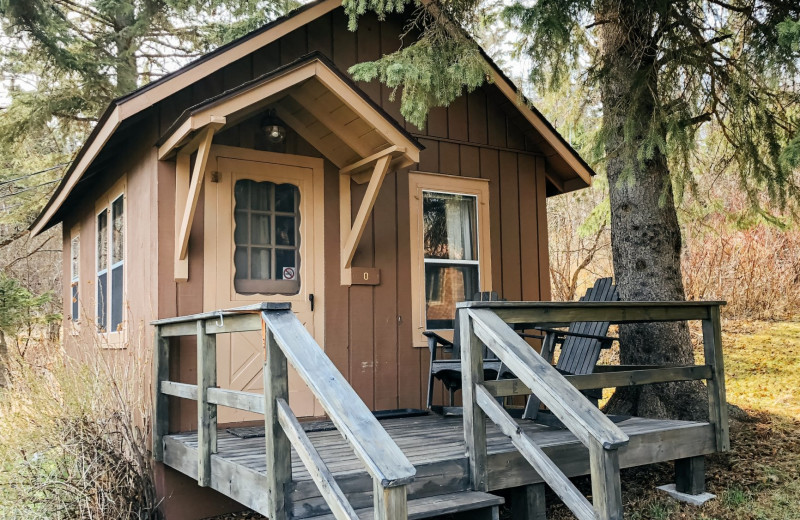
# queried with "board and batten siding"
point(133, 165)
point(368, 328)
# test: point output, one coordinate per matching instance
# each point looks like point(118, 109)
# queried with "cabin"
point(287, 237)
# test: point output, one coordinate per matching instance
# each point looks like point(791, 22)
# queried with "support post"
point(206, 412)
point(533, 403)
point(606, 486)
point(528, 503)
point(474, 418)
point(183, 177)
point(278, 446)
point(690, 475)
point(390, 503)
point(160, 401)
point(717, 402)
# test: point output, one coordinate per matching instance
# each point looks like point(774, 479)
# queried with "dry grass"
point(73, 440)
point(759, 478)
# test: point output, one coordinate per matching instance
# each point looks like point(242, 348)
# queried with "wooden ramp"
point(435, 446)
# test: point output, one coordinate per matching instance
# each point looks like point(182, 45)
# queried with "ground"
point(759, 479)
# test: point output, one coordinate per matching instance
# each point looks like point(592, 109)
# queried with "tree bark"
point(3, 360)
point(127, 71)
point(645, 234)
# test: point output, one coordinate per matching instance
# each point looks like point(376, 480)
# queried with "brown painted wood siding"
point(368, 328)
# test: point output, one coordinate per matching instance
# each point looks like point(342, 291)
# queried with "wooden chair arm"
point(557, 332)
point(439, 340)
point(534, 336)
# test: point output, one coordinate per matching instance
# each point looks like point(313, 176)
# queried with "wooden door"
point(263, 242)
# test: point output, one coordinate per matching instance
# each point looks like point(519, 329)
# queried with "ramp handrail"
point(286, 342)
point(489, 323)
point(584, 420)
point(566, 402)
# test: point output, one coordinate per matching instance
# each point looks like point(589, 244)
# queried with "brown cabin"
point(262, 173)
point(179, 203)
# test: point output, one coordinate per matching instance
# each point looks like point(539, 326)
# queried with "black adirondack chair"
point(448, 371)
point(580, 344)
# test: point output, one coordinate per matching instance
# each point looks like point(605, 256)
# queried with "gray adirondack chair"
point(581, 344)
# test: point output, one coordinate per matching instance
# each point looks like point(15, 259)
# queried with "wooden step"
point(438, 505)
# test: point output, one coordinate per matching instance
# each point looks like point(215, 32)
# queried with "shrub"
point(73, 442)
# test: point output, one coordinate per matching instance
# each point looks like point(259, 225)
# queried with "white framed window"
point(74, 276)
point(450, 254)
point(110, 259)
point(450, 247)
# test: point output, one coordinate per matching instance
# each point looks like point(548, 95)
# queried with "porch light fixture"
point(273, 128)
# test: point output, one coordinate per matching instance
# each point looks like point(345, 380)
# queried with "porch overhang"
point(326, 109)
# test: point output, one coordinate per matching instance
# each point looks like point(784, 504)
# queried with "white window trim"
point(116, 338)
point(75, 278)
point(420, 182)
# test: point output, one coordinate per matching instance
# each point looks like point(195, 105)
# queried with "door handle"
point(311, 300)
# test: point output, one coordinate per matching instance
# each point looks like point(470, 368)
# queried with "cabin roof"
point(360, 128)
point(128, 108)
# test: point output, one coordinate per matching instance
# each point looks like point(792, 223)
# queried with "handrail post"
point(278, 446)
point(206, 412)
point(717, 402)
point(160, 400)
point(606, 486)
point(474, 418)
point(390, 503)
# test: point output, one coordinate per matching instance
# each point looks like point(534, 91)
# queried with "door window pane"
point(242, 223)
point(285, 268)
point(285, 195)
point(450, 246)
point(259, 263)
point(284, 231)
point(266, 222)
point(260, 229)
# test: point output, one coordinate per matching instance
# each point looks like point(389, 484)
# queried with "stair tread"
point(436, 505)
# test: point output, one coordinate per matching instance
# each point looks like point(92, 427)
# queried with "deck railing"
point(488, 323)
point(286, 342)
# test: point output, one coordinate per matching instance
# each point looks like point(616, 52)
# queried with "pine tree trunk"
point(645, 234)
point(3, 360)
point(127, 71)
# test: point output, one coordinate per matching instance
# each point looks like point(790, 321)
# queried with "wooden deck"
point(421, 467)
point(436, 447)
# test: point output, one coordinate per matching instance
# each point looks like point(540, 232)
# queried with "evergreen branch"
point(87, 12)
point(76, 118)
point(730, 7)
point(161, 55)
point(692, 121)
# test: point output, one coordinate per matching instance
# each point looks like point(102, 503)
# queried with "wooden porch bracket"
point(187, 194)
point(350, 236)
point(175, 140)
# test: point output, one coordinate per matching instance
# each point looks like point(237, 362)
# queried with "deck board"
point(435, 446)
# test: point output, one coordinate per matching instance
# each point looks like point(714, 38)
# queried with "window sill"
point(113, 340)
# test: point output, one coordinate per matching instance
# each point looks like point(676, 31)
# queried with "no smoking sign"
point(289, 273)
